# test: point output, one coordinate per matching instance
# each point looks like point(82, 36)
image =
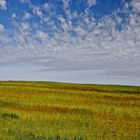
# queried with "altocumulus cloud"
point(3, 4)
point(1, 28)
point(101, 50)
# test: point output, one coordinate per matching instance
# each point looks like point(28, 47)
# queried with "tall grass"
point(61, 111)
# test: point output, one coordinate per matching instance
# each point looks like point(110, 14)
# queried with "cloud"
point(1, 28)
point(66, 3)
point(37, 11)
point(85, 45)
point(87, 34)
point(91, 3)
point(136, 5)
point(46, 6)
point(14, 15)
point(3, 4)
point(42, 35)
point(66, 7)
point(25, 1)
point(24, 26)
point(27, 16)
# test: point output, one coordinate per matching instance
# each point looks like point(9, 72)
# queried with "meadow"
point(62, 111)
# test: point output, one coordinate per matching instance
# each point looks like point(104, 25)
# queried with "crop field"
point(61, 111)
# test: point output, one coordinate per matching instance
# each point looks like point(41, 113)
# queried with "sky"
point(80, 41)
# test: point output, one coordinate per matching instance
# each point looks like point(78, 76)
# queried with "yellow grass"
point(58, 111)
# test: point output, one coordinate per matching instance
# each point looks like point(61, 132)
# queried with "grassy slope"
point(45, 110)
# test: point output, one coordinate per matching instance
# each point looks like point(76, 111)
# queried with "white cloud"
point(25, 26)
point(37, 11)
point(25, 1)
point(27, 15)
point(46, 6)
point(50, 8)
point(28, 2)
point(66, 3)
point(136, 5)
point(14, 15)
point(3, 4)
point(91, 2)
point(94, 46)
point(42, 35)
point(1, 28)
point(91, 36)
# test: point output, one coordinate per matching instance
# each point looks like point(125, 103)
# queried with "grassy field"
point(58, 111)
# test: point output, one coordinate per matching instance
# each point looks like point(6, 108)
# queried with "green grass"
point(58, 111)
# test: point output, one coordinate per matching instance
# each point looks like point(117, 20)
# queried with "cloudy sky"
point(84, 41)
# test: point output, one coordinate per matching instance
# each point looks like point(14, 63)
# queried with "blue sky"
point(88, 41)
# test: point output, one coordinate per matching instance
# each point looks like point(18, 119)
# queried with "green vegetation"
point(58, 111)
